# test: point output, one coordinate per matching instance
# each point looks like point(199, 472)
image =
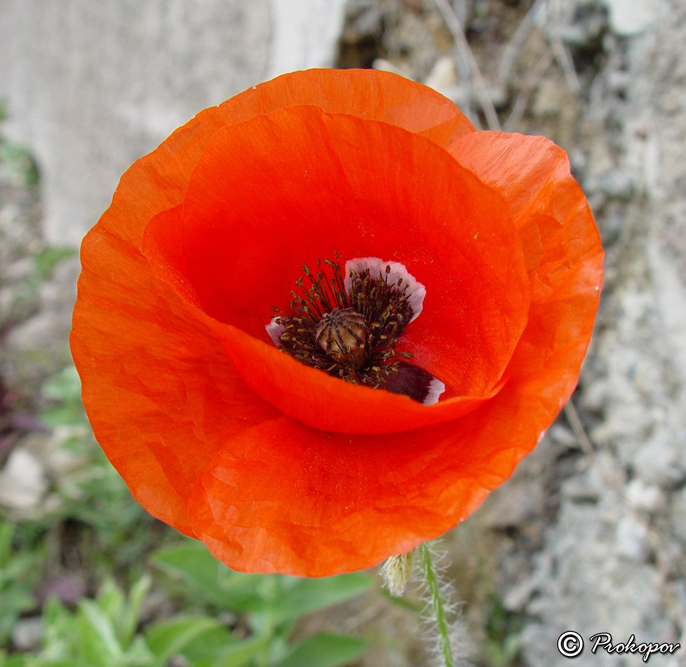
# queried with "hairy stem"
point(437, 603)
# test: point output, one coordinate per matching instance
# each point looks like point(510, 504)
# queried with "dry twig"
point(518, 39)
point(522, 101)
point(562, 55)
point(564, 60)
point(578, 428)
point(466, 54)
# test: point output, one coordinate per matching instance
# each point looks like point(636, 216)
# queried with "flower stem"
point(437, 603)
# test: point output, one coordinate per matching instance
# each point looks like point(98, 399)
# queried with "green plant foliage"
point(324, 650)
point(17, 577)
point(503, 630)
point(16, 660)
point(17, 165)
point(98, 633)
point(105, 633)
point(286, 597)
point(197, 638)
point(49, 257)
point(272, 603)
point(120, 531)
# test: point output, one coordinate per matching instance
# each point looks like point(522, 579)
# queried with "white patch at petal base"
point(275, 331)
point(436, 388)
point(377, 269)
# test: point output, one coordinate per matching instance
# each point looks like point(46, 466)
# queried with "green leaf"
point(138, 653)
point(6, 530)
point(325, 650)
point(48, 258)
point(112, 601)
point(16, 660)
point(233, 590)
point(19, 565)
point(241, 653)
point(308, 595)
point(132, 612)
point(192, 561)
point(209, 645)
point(174, 636)
point(98, 638)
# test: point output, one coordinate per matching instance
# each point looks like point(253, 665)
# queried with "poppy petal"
point(287, 498)
point(363, 93)
point(415, 204)
point(560, 239)
point(159, 391)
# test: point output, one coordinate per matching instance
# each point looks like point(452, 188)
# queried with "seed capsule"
point(342, 334)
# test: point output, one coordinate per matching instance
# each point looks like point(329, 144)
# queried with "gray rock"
point(631, 539)
point(611, 557)
point(304, 33)
point(679, 510)
point(563, 437)
point(522, 502)
point(630, 17)
point(660, 461)
point(619, 184)
point(644, 497)
point(23, 482)
point(596, 396)
point(28, 634)
point(579, 490)
point(443, 75)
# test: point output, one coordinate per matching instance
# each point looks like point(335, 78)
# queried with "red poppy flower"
point(281, 466)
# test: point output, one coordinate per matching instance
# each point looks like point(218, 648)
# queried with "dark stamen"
point(352, 334)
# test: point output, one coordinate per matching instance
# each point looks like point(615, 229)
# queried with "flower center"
point(348, 323)
point(348, 327)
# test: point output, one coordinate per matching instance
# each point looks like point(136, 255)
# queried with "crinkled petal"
point(288, 498)
point(159, 391)
point(561, 246)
